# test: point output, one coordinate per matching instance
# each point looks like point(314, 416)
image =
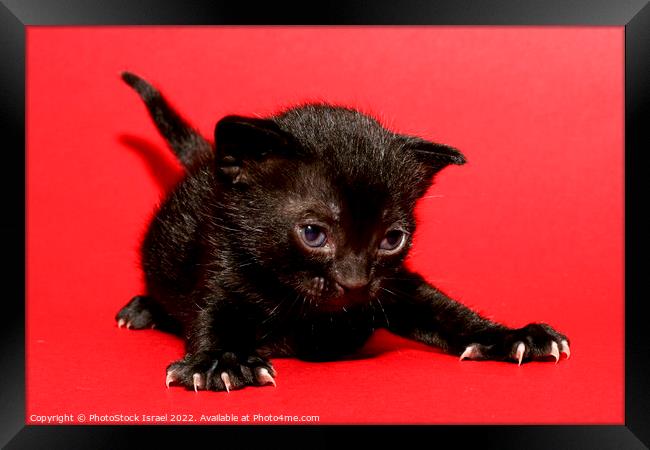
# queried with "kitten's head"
point(323, 198)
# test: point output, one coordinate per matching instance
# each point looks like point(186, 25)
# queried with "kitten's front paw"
point(224, 371)
point(534, 341)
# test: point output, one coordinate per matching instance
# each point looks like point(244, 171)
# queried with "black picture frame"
point(15, 15)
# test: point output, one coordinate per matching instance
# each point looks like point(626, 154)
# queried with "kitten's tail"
point(188, 145)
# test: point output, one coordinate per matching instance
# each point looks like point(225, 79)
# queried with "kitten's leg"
point(220, 355)
point(144, 312)
point(419, 311)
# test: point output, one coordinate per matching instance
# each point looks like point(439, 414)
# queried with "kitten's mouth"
point(331, 298)
point(337, 298)
point(345, 300)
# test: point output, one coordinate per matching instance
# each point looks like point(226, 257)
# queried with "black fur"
point(188, 145)
point(225, 259)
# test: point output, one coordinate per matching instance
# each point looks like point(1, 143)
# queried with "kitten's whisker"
point(294, 303)
point(302, 305)
point(437, 280)
point(270, 316)
point(383, 311)
point(397, 292)
point(389, 291)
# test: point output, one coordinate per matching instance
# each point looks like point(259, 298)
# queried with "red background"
point(531, 229)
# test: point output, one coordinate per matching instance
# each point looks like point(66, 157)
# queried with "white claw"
point(470, 352)
point(169, 378)
point(226, 381)
point(264, 377)
point(128, 325)
point(120, 323)
point(555, 351)
point(565, 348)
point(198, 382)
point(521, 348)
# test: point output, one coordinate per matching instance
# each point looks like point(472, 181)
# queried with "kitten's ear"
point(433, 156)
point(241, 141)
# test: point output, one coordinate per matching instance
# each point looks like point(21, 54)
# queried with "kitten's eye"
point(313, 235)
point(392, 241)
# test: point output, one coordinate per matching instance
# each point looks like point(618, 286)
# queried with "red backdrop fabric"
point(530, 229)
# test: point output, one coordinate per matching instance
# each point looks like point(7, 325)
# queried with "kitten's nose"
point(353, 284)
point(352, 276)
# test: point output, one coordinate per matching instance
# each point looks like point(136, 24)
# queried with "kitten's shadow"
point(382, 342)
point(159, 161)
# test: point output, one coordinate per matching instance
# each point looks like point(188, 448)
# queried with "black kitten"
point(288, 239)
